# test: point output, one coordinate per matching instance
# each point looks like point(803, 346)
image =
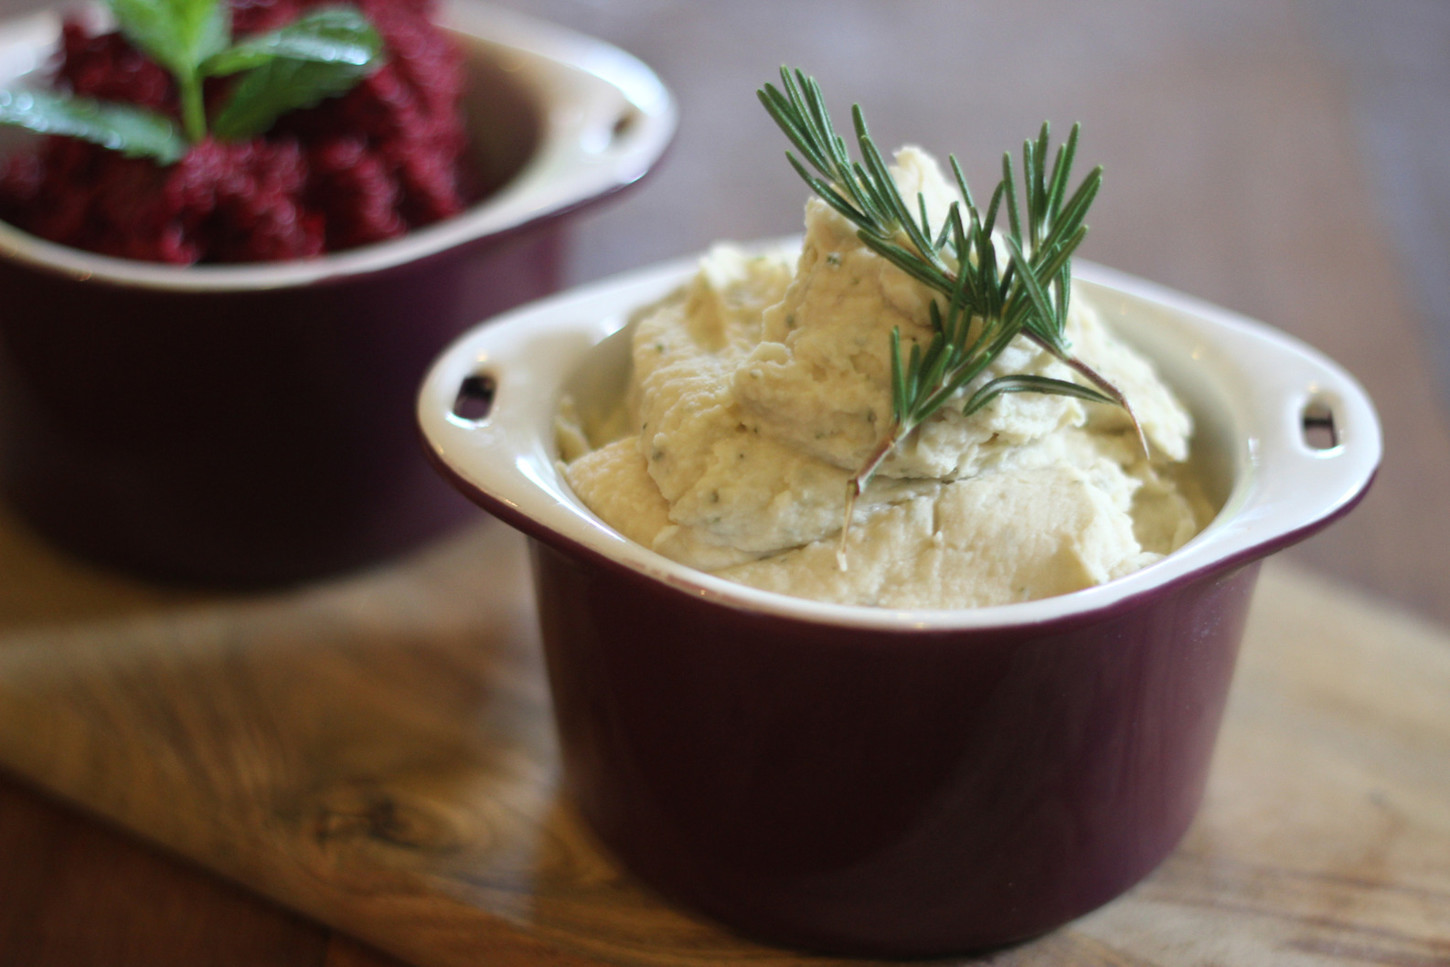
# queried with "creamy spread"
point(763, 384)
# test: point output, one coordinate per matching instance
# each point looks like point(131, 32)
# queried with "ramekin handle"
point(1320, 442)
point(488, 405)
point(485, 409)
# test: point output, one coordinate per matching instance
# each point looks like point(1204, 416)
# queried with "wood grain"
point(74, 915)
point(377, 753)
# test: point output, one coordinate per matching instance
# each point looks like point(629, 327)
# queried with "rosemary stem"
point(894, 433)
point(1098, 380)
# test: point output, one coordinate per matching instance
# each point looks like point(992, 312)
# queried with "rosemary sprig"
point(986, 307)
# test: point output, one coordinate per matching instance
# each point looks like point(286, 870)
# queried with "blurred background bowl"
point(252, 425)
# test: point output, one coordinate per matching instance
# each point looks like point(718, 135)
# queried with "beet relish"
point(367, 166)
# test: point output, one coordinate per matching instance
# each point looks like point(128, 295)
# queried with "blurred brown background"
point(1287, 159)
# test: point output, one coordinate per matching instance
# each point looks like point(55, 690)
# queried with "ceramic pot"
point(884, 782)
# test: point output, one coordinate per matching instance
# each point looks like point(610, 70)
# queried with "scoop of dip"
point(761, 386)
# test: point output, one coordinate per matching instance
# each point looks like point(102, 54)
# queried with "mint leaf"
point(177, 34)
point(279, 86)
point(327, 35)
point(133, 131)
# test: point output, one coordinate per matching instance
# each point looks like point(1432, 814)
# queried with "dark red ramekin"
point(252, 425)
point(900, 783)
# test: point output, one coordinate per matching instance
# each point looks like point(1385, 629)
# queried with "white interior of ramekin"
point(1249, 387)
point(604, 119)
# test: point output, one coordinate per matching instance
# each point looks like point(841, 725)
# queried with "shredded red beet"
point(367, 166)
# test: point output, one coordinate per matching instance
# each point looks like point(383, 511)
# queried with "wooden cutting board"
point(377, 753)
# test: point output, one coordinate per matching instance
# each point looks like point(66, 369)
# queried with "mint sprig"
point(321, 54)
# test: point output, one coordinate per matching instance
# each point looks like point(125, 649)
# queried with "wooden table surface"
point(1285, 159)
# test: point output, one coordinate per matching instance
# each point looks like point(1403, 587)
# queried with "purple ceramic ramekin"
point(253, 424)
point(873, 781)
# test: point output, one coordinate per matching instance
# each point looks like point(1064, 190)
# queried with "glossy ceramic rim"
point(1262, 379)
point(607, 120)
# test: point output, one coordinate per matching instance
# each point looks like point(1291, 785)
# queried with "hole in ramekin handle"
point(625, 124)
point(1319, 426)
point(474, 400)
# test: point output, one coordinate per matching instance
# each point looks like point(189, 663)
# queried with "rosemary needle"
point(986, 306)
